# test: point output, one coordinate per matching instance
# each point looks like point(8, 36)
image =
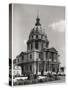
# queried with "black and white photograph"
point(37, 35)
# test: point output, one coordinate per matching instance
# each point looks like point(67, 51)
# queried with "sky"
point(52, 19)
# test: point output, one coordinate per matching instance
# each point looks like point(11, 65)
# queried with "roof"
point(52, 49)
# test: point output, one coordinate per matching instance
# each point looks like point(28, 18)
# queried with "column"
point(44, 67)
point(51, 67)
point(38, 68)
point(22, 69)
point(34, 68)
point(44, 56)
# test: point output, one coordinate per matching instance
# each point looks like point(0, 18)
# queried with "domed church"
point(39, 59)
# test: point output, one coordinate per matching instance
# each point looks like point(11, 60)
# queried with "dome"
point(37, 37)
point(37, 30)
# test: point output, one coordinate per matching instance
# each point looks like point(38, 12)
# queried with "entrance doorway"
point(42, 72)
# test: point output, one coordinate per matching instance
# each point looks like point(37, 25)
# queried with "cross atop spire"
point(37, 13)
point(38, 19)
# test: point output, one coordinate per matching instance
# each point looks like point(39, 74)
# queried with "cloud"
point(58, 26)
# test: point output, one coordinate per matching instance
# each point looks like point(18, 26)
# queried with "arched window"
point(36, 36)
point(36, 45)
point(22, 69)
point(30, 67)
point(31, 46)
point(22, 57)
point(39, 55)
point(39, 36)
point(32, 36)
point(43, 37)
point(30, 56)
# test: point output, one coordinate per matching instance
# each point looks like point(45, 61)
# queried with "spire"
point(37, 19)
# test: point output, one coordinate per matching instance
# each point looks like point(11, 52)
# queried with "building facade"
point(39, 59)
